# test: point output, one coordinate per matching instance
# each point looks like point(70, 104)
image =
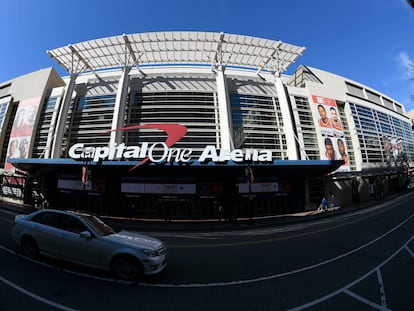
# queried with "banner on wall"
point(21, 133)
point(158, 188)
point(4, 103)
point(331, 129)
point(393, 148)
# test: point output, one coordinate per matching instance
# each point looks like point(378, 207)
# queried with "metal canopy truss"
point(174, 48)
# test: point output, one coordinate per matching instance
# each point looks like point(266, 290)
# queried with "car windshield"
point(99, 226)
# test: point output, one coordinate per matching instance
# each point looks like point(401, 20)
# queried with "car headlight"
point(150, 252)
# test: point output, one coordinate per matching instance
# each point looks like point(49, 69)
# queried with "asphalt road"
point(362, 260)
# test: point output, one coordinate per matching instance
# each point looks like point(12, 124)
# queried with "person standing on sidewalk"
point(323, 206)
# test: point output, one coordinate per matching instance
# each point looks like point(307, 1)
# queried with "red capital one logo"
point(174, 133)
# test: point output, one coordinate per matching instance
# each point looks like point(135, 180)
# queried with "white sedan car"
point(86, 239)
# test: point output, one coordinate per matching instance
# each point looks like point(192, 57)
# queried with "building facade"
point(173, 124)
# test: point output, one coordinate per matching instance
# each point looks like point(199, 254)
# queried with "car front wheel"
point(127, 267)
point(29, 247)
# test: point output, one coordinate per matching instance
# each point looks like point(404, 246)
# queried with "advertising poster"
point(4, 103)
point(259, 187)
point(70, 184)
point(331, 128)
point(158, 188)
point(22, 129)
point(393, 149)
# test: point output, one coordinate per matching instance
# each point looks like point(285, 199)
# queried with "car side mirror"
point(85, 235)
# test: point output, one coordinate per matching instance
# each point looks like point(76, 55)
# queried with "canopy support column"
point(120, 104)
point(61, 120)
point(226, 140)
point(292, 152)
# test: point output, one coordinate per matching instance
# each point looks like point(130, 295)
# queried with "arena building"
point(174, 124)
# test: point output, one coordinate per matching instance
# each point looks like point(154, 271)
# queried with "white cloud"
point(402, 87)
point(408, 64)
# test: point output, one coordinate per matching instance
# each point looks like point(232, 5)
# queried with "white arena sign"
point(160, 152)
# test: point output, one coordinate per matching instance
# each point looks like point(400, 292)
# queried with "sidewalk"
point(13, 206)
point(206, 225)
point(214, 225)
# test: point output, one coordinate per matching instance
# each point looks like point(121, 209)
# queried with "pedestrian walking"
point(220, 212)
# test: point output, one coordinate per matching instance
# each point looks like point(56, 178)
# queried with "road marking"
point(382, 290)
point(36, 297)
point(66, 270)
point(248, 281)
point(366, 301)
point(282, 227)
point(255, 242)
point(409, 251)
point(284, 274)
point(346, 288)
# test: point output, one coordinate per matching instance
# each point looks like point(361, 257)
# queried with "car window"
point(47, 218)
point(98, 225)
point(60, 221)
point(72, 224)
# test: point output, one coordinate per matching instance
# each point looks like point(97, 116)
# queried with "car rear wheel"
point(29, 247)
point(127, 267)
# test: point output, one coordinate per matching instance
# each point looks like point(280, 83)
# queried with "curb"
point(212, 225)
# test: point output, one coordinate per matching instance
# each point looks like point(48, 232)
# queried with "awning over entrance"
point(280, 168)
point(175, 190)
point(167, 48)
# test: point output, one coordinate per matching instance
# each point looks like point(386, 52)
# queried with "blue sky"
point(364, 40)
